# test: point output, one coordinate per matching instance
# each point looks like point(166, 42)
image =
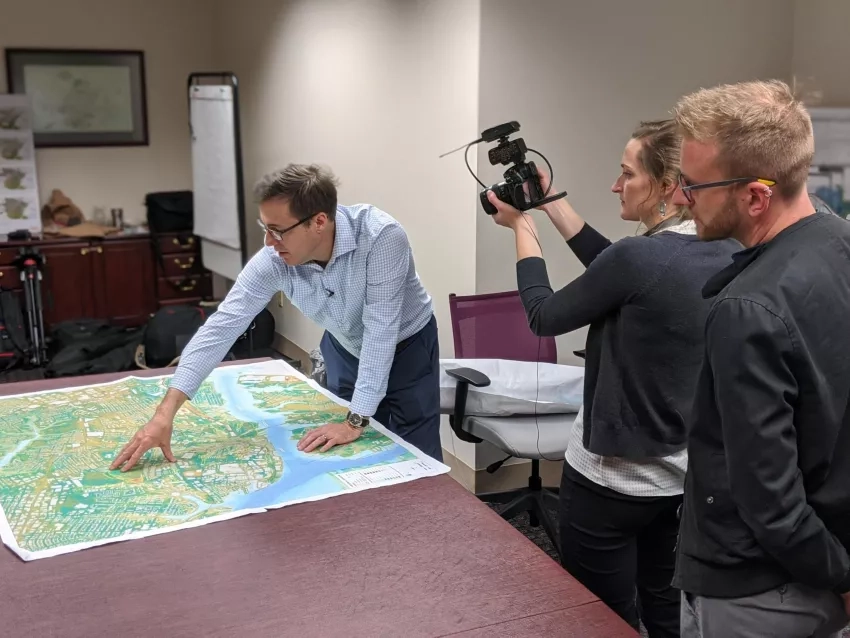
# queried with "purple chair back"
point(494, 326)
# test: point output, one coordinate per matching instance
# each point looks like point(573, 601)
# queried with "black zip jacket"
point(767, 495)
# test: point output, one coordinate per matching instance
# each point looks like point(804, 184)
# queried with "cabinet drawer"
point(184, 287)
point(178, 244)
point(179, 265)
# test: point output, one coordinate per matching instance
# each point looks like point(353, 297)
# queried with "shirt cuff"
point(531, 271)
point(364, 406)
point(185, 386)
point(588, 243)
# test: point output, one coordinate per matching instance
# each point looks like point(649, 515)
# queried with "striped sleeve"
point(254, 288)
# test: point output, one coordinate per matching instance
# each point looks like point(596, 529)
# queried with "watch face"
point(355, 419)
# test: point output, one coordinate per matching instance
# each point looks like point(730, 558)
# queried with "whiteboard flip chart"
point(215, 175)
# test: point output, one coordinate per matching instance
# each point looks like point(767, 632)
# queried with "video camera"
point(507, 152)
point(511, 153)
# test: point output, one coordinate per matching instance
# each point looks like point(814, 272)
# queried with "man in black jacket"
point(766, 517)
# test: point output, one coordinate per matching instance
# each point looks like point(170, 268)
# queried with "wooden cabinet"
point(180, 275)
point(68, 282)
point(124, 286)
point(120, 279)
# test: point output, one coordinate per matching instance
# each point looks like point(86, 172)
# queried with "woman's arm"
point(585, 241)
point(588, 244)
point(606, 285)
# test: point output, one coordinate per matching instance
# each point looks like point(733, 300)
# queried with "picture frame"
point(82, 97)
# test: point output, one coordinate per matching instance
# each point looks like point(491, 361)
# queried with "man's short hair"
point(761, 128)
point(309, 189)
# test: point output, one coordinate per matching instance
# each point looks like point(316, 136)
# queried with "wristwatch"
point(356, 421)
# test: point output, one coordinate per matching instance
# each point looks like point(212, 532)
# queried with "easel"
point(29, 263)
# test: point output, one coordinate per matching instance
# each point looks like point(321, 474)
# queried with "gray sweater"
point(641, 297)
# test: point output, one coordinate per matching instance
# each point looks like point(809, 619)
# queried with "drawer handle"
point(189, 286)
point(99, 249)
point(84, 251)
point(191, 261)
point(189, 242)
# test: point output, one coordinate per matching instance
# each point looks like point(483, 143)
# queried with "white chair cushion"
point(516, 388)
point(543, 438)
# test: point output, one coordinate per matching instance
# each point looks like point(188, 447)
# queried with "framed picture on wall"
point(82, 97)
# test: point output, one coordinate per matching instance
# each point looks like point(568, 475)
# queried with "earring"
point(662, 207)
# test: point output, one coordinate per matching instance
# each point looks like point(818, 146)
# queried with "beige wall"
point(821, 60)
point(377, 90)
point(579, 75)
point(177, 39)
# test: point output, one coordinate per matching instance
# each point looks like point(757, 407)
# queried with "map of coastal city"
point(235, 444)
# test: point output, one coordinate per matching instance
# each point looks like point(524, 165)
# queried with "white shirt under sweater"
point(663, 476)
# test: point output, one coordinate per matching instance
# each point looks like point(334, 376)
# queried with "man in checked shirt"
point(350, 269)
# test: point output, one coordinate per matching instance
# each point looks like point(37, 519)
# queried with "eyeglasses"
point(277, 235)
point(687, 188)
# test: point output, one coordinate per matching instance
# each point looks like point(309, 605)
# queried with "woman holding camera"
point(624, 473)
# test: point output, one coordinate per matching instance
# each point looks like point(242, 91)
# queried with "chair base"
point(534, 499)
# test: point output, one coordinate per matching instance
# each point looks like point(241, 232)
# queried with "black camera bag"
point(170, 211)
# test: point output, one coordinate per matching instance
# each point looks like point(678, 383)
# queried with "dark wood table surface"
point(424, 558)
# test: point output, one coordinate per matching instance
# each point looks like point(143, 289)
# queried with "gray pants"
point(790, 611)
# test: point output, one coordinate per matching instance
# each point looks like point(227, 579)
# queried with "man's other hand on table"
point(327, 436)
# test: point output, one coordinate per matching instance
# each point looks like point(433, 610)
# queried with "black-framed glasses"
point(687, 188)
point(277, 235)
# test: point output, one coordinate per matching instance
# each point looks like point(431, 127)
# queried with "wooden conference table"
point(424, 558)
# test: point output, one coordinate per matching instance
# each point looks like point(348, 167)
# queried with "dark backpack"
point(89, 346)
point(257, 339)
point(168, 332)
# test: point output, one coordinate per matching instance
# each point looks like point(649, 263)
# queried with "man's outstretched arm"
point(252, 291)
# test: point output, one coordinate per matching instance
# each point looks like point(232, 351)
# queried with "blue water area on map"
point(304, 475)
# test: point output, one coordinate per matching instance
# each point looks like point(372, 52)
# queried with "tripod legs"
point(35, 320)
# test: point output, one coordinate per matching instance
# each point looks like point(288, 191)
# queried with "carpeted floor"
point(536, 534)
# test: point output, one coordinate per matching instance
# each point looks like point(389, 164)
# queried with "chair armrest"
point(470, 376)
point(465, 377)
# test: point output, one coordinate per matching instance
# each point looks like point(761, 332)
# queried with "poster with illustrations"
point(19, 204)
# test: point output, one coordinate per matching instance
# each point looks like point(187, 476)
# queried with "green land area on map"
point(56, 488)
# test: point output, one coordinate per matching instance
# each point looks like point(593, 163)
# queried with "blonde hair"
point(761, 130)
point(659, 156)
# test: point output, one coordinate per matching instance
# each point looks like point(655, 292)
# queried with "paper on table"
point(236, 452)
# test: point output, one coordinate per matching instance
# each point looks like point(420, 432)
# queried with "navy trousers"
point(411, 407)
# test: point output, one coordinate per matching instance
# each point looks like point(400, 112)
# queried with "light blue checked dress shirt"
point(368, 297)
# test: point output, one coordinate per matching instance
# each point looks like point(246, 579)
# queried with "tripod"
point(29, 264)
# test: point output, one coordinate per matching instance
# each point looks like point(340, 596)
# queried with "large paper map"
point(235, 446)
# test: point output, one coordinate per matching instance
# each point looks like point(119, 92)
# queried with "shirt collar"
point(742, 259)
point(344, 239)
